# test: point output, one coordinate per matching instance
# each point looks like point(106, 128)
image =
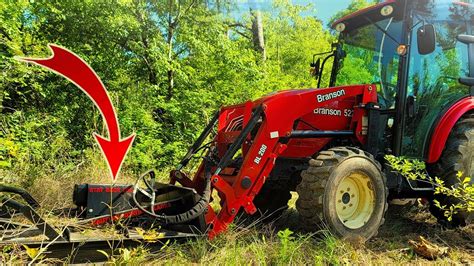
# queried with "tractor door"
point(432, 84)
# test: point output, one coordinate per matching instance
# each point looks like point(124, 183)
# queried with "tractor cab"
point(419, 55)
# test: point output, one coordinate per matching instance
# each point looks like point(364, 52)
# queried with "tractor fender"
point(445, 125)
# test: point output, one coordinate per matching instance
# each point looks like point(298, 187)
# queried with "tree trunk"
point(257, 33)
point(170, 58)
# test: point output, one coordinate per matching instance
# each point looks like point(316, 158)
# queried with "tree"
point(257, 33)
point(168, 65)
point(291, 40)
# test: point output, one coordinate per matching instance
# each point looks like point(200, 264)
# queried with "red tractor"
point(416, 59)
point(415, 63)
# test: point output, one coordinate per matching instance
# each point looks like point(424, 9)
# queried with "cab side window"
point(433, 78)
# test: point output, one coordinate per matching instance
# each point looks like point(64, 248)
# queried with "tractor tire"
point(343, 190)
point(458, 155)
point(271, 201)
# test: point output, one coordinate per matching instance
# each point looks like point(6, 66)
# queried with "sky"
point(323, 9)
point(326, 8)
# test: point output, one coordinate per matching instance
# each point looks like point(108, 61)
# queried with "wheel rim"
point(355, 200)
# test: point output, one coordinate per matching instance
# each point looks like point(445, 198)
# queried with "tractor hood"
point(297, 110)
point(234, 117)
point(324, 94)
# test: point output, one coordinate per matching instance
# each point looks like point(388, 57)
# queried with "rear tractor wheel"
point(458, 155)
point(344, 190)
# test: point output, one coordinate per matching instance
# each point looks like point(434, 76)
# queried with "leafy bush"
point(416, 170)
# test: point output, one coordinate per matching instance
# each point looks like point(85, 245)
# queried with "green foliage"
point(262, 246)
point(6, 257)
point(288, 244)
point(291, 41)
point(413, 169)
point(168, 66)
point(34, 146)
point(463, 191)
point(125, 256)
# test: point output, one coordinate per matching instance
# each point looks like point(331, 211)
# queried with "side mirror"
point(315, 67)
point(426, 39)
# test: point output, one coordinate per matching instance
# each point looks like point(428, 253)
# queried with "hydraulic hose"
point(198, 209)
point(23, 193)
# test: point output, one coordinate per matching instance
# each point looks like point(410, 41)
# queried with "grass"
point(280, 243)
point(276, 244)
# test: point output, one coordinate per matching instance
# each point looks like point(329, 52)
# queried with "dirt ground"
point(402, 224)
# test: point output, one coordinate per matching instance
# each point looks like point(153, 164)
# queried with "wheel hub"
point(346, 198)
point(355, 200)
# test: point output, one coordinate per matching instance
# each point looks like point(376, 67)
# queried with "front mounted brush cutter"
point(105, 217)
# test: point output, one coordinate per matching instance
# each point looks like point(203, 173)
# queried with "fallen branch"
point(427, 249)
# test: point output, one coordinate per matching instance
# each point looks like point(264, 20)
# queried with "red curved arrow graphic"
point(73, 68)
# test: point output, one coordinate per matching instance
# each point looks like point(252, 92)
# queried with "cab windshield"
point(371, 58)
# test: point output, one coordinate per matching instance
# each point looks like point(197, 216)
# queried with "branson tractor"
point(412, 66)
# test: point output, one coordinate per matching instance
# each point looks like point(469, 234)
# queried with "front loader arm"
point(273, 118)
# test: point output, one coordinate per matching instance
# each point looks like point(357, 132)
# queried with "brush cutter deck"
point(133, 211)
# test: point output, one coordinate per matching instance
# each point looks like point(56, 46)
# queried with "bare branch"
point(180, 14)
point(237, 24)
point(243, 34)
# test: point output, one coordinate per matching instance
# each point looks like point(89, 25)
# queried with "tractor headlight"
point(386, 10)
point(340, 27)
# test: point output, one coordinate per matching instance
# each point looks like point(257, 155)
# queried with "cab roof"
point(368, 11)
point(352, 20)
